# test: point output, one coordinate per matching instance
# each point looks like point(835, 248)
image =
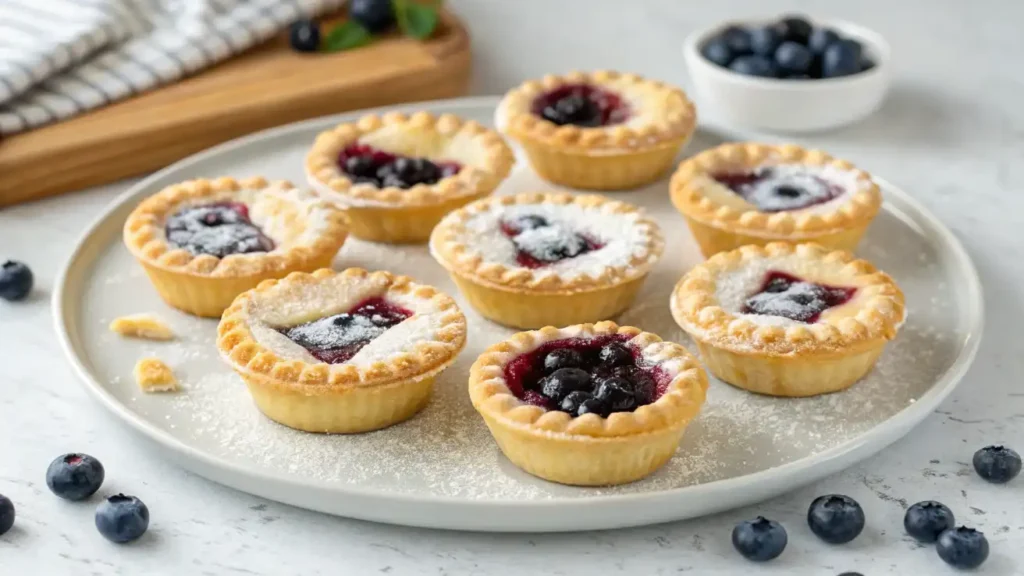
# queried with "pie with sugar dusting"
point(788, 320)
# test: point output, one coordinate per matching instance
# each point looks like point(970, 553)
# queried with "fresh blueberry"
point(851, 574)
point(926, 520)
point(6, 514)
point(793, 58)
point(997, 464)
point(759, 539)
point(962, 547)
point(305, 36)
point(75, 476)
point(15, 280)
point(615, 354)
point(764, 40)
point(617, 393)
point(374, 15)
point(841, 58)
point(122, 518)
point(738, 40)
point(578, 403)
point(795, 29)
point(717, 50)
point(753, 66)
point(562, 358)
point(835, 518)
point(820, 39)
point(562, 382)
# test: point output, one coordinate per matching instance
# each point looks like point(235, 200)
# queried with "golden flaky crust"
point(871, 318)
point(423, 134)
point(463, 259)
point(690, 194)
point(666, 114)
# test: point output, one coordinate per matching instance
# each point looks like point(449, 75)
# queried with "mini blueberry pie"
point(203, 242)
point(592, 404)
point(397, 175)
point(788, 320)
point(598, 131)
point(535, 260)
point(739, 194)
point(341, 352)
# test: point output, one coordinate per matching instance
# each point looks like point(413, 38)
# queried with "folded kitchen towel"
point(59, 58)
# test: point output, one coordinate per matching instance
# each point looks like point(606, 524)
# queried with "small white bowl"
point(791, 105)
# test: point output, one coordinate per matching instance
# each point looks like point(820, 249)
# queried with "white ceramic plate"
point(441, 468)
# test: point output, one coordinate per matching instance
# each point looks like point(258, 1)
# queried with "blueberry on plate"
point(795, 29)
point(737, 39)
point(962, 547)
point(122, 518)
point(926, 520)
point(75, 476)
point(841, 58)
point(304, 36)
point(374, 15)
point(835, 518)
point(793, 58)
point(753, 66)
point(717, 51)
point(764, 40)
point(6, 514)
point(759, 539)
point(15, 280)
point(820, 39)
point(997, 464)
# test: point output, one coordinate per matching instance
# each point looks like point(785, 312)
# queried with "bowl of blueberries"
point(791, 74)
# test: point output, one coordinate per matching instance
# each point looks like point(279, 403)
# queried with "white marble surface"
point(952, 132)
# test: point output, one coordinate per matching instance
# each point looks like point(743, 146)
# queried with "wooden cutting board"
point(267, 86)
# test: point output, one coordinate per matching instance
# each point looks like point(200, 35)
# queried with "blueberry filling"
point(773, 190)
point(790, 297)
point(540, 242)
point(336, 339)
point(218, 229)
point(582, 376)
point(368, 165)
point(581, 105)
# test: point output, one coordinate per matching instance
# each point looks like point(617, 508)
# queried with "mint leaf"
point(345, 36)
point(416, 20)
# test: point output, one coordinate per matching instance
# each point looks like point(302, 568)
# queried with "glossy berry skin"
point(760, 539)
point(841, 58)
point(997, 464)
point(835, 518)
point(15, 280)
point(926, 520)
point(738, 40)
point(615, 354)
point(795, 29)
point(122, 519)
point(563, 382)
point(793, 58)
point(374, 15)
point(579, 403)
point(562, 358)
point(753, 66)
point(617, 393)
point(765, 40)
point(6, 514)
point(717, 51)
point(820, 39)
point(75, 476)
point(962, 547)
point(304, 36)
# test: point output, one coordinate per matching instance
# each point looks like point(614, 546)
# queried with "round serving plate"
point(441, 468)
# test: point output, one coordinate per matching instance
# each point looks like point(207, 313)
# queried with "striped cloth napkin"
point(59, 58)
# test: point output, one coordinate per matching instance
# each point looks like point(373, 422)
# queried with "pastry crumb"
point(153, 375)
point(142, 326)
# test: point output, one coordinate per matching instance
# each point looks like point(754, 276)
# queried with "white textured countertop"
point(951, 133)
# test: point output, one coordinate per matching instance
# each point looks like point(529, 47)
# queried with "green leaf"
point(415, 19)
point(345, 36)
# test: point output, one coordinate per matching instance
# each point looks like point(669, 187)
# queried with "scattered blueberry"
point(6, 514)
point(962, 547)
point(793, 58)
point(74, 476)
point(795, 29)
point(305, 36)
point(926, 520)
point(841, 58)
point(374, 15)
point(753, 66)
point(738, 40)
point(820, 39)
point(997, 464)
point(759, 539)
point(717, 50)
point(122, 518)
point(764, 41)
point(835, 518)
point(15, 280)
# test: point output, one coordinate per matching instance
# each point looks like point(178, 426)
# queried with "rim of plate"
point(906, 418)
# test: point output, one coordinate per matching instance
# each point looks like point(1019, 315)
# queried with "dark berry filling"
point(336, 339)
point(368, 165)
point(217, 229)
point(581, 105)
point(786, 295)
point(774, 191)
point(540, 242)
point(581, 376)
